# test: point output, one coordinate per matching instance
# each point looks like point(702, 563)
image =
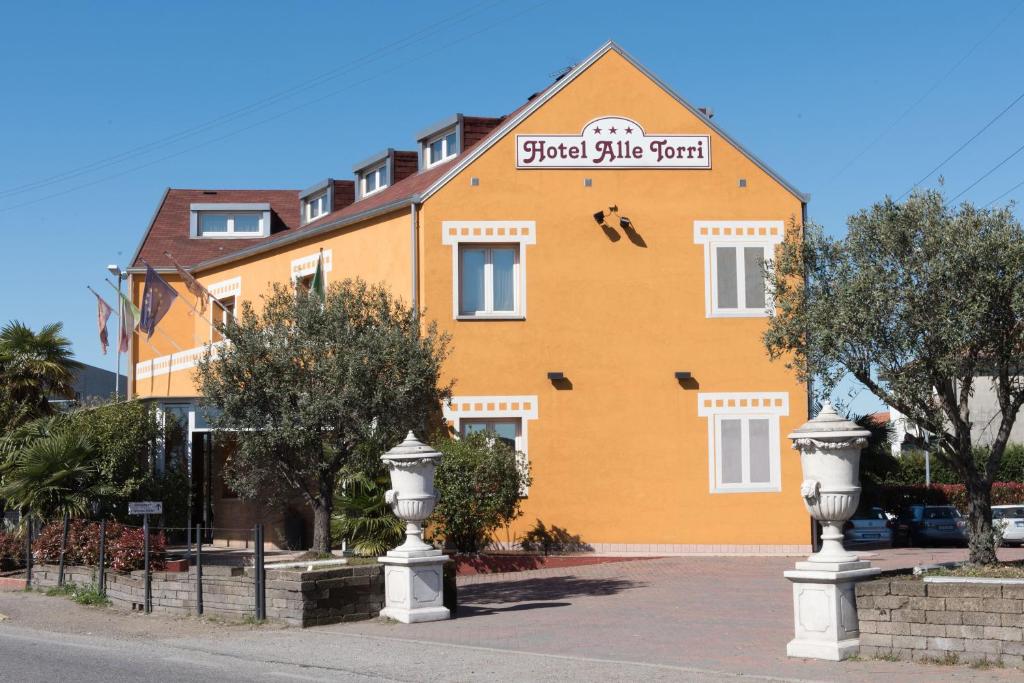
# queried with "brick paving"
point(717, 614)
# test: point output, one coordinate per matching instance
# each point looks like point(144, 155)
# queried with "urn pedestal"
point(824, 604)
point(414, 571)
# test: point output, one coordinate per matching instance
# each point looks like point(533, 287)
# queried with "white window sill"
point(496, 316)
point(749, 489)
point(751, 313)
point(373, 192)
point(231, 236)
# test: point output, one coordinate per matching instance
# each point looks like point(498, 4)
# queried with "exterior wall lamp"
point(683, 375)
point(600, 215)
point(556, 376)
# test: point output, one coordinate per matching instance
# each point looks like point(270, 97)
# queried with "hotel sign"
point(613, 142)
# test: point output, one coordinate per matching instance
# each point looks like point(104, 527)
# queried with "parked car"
point(869, 527)
point(920, 525)
point(1011, 519)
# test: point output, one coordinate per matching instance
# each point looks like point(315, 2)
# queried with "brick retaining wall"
point(294, 596)
point(910, 618)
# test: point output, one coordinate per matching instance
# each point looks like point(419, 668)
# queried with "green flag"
point(317, 285)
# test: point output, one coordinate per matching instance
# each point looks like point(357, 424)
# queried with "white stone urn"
point(412, 496)
point(414, 571)
point(830, 448)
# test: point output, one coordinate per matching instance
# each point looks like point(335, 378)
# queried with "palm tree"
point(363, 518)
point(36, 365)
point(54, 475)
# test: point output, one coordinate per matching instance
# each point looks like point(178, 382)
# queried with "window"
point(316, 206)
point(488, 279)
point(739, 281)
point(743, 440)
point(440, 148)
point(223, 313)
point(375, 179)
point(743, 452)
point(506, 431)
point(734, 258)
point(230, 224)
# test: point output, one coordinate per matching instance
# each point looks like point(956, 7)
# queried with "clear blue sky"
point(821, 91)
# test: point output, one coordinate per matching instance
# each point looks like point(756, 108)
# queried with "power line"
point(278, 115)
point(1021, 183)
point(961, 147)
point(241, 112)
point(987, 173)
point(923, 97)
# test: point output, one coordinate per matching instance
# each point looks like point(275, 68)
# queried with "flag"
point(317, 285)
point(157, 298)
point(191, 284)
point(129, 319)
point(103, 311)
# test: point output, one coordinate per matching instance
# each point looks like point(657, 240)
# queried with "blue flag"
point(157, 298)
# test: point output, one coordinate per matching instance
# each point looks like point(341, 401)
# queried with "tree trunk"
point(979, 519)
point(323, 507)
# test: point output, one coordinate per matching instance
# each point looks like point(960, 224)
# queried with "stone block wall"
point(294, 596)
point(913, 619)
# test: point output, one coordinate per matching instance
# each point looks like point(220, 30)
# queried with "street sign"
point(149, 507)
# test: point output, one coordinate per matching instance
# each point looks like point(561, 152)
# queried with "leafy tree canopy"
point(311, 386)
point(915, 302)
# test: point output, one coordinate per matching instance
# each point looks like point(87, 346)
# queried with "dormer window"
point(375, 179)
point(316, 206)
point(226, 221)
point(441, 148)
point(317, 201)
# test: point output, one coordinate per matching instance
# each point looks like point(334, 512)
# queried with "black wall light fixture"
point(556, 376)
point(683, 375)
point(600, 215)
point(625, 223)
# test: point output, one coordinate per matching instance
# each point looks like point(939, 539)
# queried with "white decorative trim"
point(175, 362)
point(226, 288)
point(743, 403)
point(753, 404)
point(523, 408)
point(454, 233)
point(765, 234)
point(301, 267)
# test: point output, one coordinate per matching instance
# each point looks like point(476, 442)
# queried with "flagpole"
point(155, 329)
point(117, 312)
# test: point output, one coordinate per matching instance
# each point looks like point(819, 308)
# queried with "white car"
point(1010, 519)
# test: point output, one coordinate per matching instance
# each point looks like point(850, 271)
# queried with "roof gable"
point(512, 121)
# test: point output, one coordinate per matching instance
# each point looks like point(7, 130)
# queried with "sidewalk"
point(692, 619)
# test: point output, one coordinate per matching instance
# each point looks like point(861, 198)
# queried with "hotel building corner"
point(597, 262)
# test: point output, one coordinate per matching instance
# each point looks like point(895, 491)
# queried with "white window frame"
point(375, 172)
point(446, 150)
point(489, 310)
point(306, 266)
point(198, 210)
point(487, 234)
point(744, 406)
point(225, 289)
point(478, 409)
point(737, 234)
point(321, 198)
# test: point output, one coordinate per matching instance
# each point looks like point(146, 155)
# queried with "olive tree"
point(916, 302)
point(309, 385)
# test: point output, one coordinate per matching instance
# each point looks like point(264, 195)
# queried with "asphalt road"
point(28, 655)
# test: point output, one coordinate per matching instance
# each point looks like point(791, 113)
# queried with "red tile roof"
point(170, 228)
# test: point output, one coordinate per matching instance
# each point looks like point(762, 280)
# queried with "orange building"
point(597, 261)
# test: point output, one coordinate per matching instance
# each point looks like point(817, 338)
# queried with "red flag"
point(103, 311)
point(191, 284)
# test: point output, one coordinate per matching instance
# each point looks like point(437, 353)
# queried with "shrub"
point(12, 550)
point(124, 551)
point(892, 498)
point(553, 540)
point(363, 519)
point(479, 480)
